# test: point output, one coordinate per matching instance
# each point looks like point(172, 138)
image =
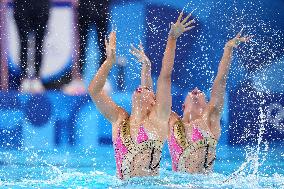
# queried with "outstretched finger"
point(113, 27)
point(186, 18)
point(112, 36)
point(136, 55)
point(180, 16)
point(141, 46)
point(240, 33)
point(245, 39)
point(190, 22)
point(132, 52)
point(134, 49)
point(242, 39)
point(189, 28)
point(249, 37)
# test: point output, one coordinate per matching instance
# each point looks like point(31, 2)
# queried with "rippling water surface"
point(235, 167)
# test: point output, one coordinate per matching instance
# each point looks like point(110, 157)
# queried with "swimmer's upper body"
point(193, 138)
point(138, 138)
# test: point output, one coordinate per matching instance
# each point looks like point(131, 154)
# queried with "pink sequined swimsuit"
point(176, 150)
point(197, 138)
point(121, 150)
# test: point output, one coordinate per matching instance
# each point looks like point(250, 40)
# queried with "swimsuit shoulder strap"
point(179, 134)
point(125, 133)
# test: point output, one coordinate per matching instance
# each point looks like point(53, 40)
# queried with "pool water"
point(235, 167)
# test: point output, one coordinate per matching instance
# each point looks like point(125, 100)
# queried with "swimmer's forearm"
point(163, 97)
point(219, 85)
point(224, 65)
point(99, 80)
point(169, 57)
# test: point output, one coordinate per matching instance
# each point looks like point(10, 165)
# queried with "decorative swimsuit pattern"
point(181, 149)
point(126, 149)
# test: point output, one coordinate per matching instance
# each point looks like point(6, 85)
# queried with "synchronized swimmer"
point(139, 137)
point(193, 138)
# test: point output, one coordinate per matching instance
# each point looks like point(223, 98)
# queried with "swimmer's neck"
point(190, 117)
point(138, 116)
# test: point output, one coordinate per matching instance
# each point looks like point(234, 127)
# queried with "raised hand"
point(111, 47)
point(236, 41)
point(181, 26)
point(139, 54)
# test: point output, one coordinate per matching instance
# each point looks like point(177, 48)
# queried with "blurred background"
point(58, 118)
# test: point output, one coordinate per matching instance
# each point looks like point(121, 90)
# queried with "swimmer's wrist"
point(172, 36)
point(110, 60)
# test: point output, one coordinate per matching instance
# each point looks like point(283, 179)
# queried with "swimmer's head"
point(194, 102)
point(143, 97)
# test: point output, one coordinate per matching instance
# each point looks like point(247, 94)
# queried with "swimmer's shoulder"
point(122, 116)
point(174, 118)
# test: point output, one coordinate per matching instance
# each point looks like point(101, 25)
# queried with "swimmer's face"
point(195, 100)
point(145, 96)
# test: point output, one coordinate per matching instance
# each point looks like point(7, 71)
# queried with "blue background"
point(255, 75)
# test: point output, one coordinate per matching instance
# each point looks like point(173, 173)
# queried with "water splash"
point(248, 173)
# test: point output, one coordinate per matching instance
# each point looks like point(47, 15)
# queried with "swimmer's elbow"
point(90, 89)
point(92, 92)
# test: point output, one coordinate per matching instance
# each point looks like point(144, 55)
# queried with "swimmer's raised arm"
point(103, 102)
point(219, 85)
point(146, 77)
point(164, 98)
